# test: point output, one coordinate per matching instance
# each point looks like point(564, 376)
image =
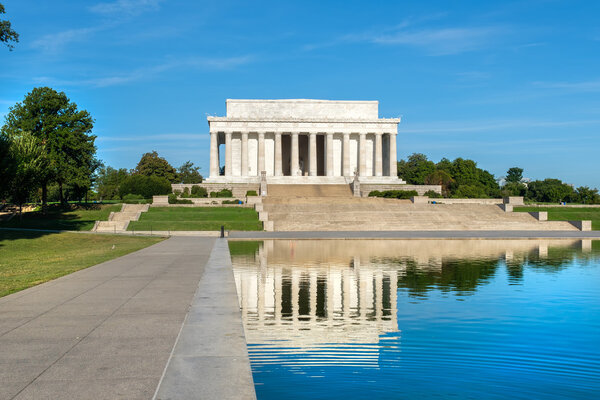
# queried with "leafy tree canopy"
point(152, 165)
point(514, 175)
point(65, 132)
point(7, 34)
point(189, 174)
point(108, 181)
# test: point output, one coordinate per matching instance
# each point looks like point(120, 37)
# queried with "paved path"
point(416, 235)
point(105, 332)
point(210, 360)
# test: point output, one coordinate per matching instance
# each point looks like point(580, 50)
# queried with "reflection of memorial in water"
point(303, 302)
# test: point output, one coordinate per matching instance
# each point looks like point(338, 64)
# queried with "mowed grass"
point(30, 258)
point(197, 219)
point(568, 214)
point(75, 217)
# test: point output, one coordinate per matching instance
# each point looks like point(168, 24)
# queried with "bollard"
point(222, 231)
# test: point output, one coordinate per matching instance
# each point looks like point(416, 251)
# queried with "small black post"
point(222, 231)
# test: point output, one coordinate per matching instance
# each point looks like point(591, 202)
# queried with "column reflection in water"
point(309, 306)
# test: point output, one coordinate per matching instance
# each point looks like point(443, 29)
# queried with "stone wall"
point(238, 189)
point(469, 201)
point(366, 188)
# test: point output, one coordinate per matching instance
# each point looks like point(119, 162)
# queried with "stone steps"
point(110, 226)
point(304, 191)
point(118, 221)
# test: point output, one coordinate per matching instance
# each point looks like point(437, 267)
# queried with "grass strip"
point(74, 217)
point(567, 214)
point(197, 219)
point(30, 258)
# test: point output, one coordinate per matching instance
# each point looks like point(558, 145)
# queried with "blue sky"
point(504, 83)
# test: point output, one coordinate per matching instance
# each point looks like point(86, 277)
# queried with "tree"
point(108, 181)
point(514, 175)
point(551, 191)
point(7, 165)
point(30, 160)
point(189, 174)
point(152, 165)
point(586, 195)
point(415, 169)
point(65, 131)
point(7, 34)
point(145, 186)
point(440, 177)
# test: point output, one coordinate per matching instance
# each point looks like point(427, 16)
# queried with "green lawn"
point(30, 258)
point(75, 217)
point(197, 219)
point(568, 214)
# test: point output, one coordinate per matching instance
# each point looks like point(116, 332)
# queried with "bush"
point(251, 193)
point(432, 194)
point(174, 200)
point(145, 186)
point(236, 201)
point(222, 193)
point(186, 192)
point(133, 199)
point(199, 191)
point(394, 194)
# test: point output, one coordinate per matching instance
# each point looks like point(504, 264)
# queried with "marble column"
point(329, 154)
point(214, 154)
point(378, 155)
point(261, 152)
point(294, 155)
point(228, 154)
point(346, 155)
point(312, 155)
point(278, 162)
point(362, 154)
point(244, 154)
point(393, 156)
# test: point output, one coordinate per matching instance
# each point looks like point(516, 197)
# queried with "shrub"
point(432, 194)
point(222, 193)
point(145, 186)
point(236, 201)
point(174, 200)
point(199, 191)
point(186, 192)
point(394, 194)
point(251, 193)
point(133, 199)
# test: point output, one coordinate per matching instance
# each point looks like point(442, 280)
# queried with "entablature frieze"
point(318, 127)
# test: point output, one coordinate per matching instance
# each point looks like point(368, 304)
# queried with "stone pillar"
point(329, 154)
point(393, 156)
point(278, 166)
point(244, 154)
point(261, 152)
point(362, 154)
point(346, 155)
point(378, 155)
point(294, 155)
point(214, 154)
point(312, 154)
point(228, 154)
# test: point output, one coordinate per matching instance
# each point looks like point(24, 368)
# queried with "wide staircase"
point(118, 221)
point(293, 208)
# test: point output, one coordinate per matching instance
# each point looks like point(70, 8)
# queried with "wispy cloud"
point(54, 42)
point(434, 41)
point(491, 125)
point(585, 86)
point(214, 63)
point(155, 138)
point(127, 7)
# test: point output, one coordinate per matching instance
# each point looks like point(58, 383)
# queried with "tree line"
point(48, 153)
point(462, 178)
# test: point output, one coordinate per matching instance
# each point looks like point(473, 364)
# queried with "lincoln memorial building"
point(303, 141)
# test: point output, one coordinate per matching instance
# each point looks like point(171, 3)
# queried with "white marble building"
point(303, 141)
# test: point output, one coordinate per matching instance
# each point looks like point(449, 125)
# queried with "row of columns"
point(312, 159)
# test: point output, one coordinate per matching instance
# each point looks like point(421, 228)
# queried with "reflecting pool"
point(408, 319)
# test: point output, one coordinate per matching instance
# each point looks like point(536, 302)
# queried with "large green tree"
point(415, 169)
point(514, 175)
point(7, 165)
point(188, 173)
point(7, 34)
point(64, 130)
point(108, 180)
point(152, 165)
point(30, 160)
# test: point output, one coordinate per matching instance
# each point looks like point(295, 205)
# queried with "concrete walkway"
point(105, 332)
point(258, 235)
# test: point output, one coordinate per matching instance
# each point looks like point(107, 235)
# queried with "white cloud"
point(53, 42)
point(127, 7)
point(585, 86)
point(214, 63)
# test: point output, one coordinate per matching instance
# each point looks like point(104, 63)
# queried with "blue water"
point(522, 322)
